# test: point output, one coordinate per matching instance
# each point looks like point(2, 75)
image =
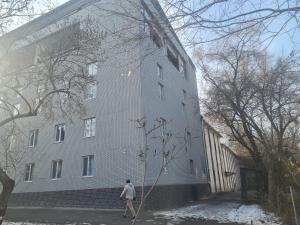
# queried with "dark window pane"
point(85, 166)
point(173, 58)
point(62, 138)
point(57, 133)
point(54, 166)
point(31, 140)
point(27, 172)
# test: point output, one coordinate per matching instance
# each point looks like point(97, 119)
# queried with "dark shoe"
point(124, 215)
point(133, 218)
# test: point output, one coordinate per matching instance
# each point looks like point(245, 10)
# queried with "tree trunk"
point(275, 183)
point(261, 179)
point(7, 188)
point(272, 200)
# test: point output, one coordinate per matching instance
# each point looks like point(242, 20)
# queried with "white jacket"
point(129, 192)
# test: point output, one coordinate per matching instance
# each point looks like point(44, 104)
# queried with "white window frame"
point(92, 69)
point(90, 91)
point(57, 164)
point(91, 130)
point(28, 171)
point(58, 130)
point(35, 138)
point(90, 166)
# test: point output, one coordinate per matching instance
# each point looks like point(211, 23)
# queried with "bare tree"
point(169, 148)
point(16, 12)
point(211, 20)
point(45, 79)
point(258, 101)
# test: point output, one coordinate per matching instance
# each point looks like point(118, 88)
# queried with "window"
point(161, 91)
point(90, 127)
point(189, 139)
point(16, 110)
point(192, 168)
point(28, 172)
point(33, 137)
point(183, 106)
point(159, 71)
point(87, 166)
point(155, 36)
point(13, 142)
point(60, 132)
point(184, 95)
point(56, 169)
point(172, 56)
point(163, 126)
point(203, 167)
point(40, 90)
point(146, 19)
point(182, 67)
point(92, 69)
point(36, 58)
point(90, 91)
point(145, 26)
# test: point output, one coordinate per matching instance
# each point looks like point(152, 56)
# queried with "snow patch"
point(223, 213)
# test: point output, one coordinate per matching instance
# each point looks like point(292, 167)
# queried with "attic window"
point(155, 37)
point(172, 56)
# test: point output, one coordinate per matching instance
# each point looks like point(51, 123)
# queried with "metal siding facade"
point(121, 98)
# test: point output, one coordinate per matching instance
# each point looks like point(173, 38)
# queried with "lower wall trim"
point(108, 198)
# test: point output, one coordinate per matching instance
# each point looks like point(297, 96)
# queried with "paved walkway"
point(93, 217)
point(103, 217)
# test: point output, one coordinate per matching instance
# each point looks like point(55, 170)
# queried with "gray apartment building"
point(149, 76)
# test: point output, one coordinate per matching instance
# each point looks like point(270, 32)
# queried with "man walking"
point(129, 194)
